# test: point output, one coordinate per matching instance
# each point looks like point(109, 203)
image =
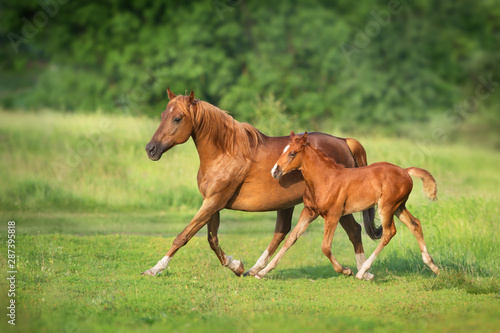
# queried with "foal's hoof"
point(148, 272)
point(253, 271)
point(347, 271)
point(249, 273)
point(367, 276)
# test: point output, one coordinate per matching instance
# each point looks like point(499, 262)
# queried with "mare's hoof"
point(239, 267)
point(148, 272)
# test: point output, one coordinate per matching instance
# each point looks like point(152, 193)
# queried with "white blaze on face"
point(276, 165)
point(274, 169)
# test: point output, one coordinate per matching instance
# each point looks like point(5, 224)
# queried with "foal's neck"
point(318, 159)
point(315, 165)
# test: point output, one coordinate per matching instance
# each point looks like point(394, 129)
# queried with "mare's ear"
point(191, 98)
point(292, 134)
point(171, 95)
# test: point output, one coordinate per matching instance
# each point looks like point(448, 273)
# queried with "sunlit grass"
point(93, 212)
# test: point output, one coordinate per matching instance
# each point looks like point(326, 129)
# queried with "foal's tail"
point(359, 155)
point(430, 187)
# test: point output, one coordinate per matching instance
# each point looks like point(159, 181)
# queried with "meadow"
point(92, 212)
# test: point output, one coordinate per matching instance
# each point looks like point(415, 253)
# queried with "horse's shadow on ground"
point(391, 268)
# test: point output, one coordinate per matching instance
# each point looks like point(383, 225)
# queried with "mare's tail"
point(359, 155)
point(430, 187)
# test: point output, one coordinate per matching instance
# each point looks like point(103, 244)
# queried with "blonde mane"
point(228, 134)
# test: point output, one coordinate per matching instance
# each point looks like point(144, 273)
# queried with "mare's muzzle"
point(156, 150)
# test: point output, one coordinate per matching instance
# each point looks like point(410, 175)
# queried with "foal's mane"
point(330, 162)
point(228, 134)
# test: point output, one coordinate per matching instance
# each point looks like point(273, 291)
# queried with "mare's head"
point(291, 158)
point(175, 127)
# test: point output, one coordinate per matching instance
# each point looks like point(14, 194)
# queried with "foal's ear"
point(304, 137)
point(191, 97)
point(292, 134)
point(171, 95)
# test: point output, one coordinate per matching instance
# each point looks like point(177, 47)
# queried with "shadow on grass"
point(472, 279)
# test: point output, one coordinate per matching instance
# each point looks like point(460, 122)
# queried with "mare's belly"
point(264, 193)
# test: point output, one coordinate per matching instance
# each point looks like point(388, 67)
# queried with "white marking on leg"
point(233, 265)
point(360, 259)
point(366, 266)
point(263, 260)
point(161, 265)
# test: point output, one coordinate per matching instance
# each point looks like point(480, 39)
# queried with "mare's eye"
point(177, 119)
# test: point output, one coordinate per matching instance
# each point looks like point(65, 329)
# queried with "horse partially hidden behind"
point(333, 191)
point(235, 159)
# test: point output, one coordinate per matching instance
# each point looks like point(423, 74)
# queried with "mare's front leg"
point(305, 219)
point(283, 226)
point(207, 210)
point(212, 228)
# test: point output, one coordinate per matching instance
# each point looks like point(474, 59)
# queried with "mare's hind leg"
point(389, 230)
point(331, 223)
point(283, 226)
point(212, 228)
point(353, 230)
point(416, 228)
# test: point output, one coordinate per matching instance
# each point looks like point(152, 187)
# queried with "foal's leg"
point(212, 228)
point(331, 223)
point(306, 217)
point(283, 226)
point(389, 230)
point(416, 228)
point(353, 230)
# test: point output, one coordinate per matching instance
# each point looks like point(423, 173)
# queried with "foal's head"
point(175, 127)
point(291, 158)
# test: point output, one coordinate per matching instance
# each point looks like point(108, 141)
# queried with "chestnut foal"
point(333, 191)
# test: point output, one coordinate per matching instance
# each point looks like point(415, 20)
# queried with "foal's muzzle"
point(276, 172)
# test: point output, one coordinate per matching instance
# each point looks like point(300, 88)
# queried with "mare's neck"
point(207, 150)
point(209, 127)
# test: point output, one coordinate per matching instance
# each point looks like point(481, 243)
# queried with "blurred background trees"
point(388, 66)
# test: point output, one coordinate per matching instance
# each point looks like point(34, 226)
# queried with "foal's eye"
point(293, 154)
point(177, 119)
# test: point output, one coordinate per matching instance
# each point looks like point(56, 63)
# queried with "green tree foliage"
point(382, 62)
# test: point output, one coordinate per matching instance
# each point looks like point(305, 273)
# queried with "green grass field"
point(92, 212)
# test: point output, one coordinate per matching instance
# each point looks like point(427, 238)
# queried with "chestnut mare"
point(235, 159)
point(333, 191)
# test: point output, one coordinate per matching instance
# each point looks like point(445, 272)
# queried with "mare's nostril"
point(151, 150)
